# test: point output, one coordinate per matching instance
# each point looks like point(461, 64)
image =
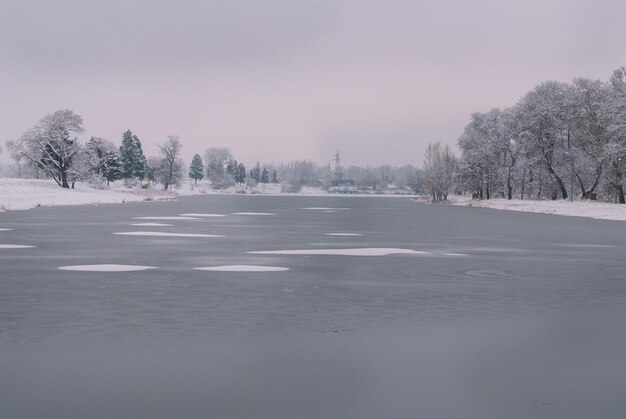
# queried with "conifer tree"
point(132, 157)
point(265, 176)
point(274, 177)
point(196, 169)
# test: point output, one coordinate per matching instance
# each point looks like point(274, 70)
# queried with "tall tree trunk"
point(559, 182)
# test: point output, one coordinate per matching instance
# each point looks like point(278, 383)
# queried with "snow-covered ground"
point(21, 194)
point(591, 209)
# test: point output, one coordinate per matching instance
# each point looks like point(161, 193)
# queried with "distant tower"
point(338, 172)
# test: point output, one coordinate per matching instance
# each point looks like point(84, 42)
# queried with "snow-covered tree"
point(132, 157)
point(196, 168)
point(51, 145)
point(171, 166)
point(439, 166)
point(104, 159)
point(216, 159)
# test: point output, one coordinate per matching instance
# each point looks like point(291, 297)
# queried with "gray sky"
point(280, 80)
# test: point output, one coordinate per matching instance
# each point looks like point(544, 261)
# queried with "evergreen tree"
point(265, 178)
point(274, 177)
point(256, 173)
point(196, 169)
point(240, 176)
point(231, 167)
point(132, 157)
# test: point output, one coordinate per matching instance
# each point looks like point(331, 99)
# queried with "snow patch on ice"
point(365, 251)
point(106, 268)
point(174, 217)
point(164, 234)
point(243, 268)
point(15, 246)
point(253, 213)
point(152, 225)
point(327, 208)
point(5, 229)
point(203, 215)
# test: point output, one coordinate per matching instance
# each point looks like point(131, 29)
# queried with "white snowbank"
point(21, 194)
point(591, 209)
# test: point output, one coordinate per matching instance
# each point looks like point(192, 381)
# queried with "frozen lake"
point(310, 307)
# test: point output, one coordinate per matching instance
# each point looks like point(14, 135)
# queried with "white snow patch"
point(163, 234)
point(327, 208)
point(329, 211)
point(152, 225)
point(343, 234)
point(5, 229)
point(203, 215)
point(15, 246)
point(365, 251)
point(175, 217)
point(590, 209)
point(243, 268)
point(253, 213)
point(106, 268)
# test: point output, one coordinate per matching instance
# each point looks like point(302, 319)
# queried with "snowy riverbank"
point(21, 194)
point(590, 209)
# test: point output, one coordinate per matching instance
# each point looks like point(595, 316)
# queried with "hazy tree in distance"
point(265, 177)
point(274, 177)
point(216, 159)
point(196, 168)
point(50, 146)
point(240, 174)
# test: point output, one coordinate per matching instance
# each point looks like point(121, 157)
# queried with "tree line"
point(559, 141)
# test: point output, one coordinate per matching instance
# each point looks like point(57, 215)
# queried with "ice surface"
point(106, 268)
point(243, 268)
point(365, 251)
point(343, 234)
point(161, 233)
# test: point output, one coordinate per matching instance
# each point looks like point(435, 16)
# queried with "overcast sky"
point(279, 80)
